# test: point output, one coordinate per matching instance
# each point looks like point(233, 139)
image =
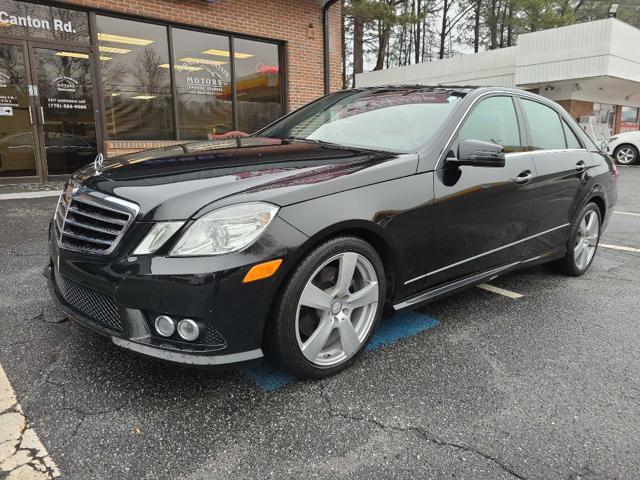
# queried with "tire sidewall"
point(632, 147)
point(574, 232)
point(285, 315)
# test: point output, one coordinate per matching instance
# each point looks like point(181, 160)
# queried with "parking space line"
point(269, 377)
point(619, 247)
point(499, 291)
point(627, 213)
point(22, 454)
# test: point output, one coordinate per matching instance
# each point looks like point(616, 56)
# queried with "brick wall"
point(296, 22)
point(577, 108)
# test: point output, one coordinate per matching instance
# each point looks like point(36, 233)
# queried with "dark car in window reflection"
point(64, 152)
point(292, 241)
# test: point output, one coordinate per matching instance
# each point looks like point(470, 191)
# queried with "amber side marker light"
point(262, 270)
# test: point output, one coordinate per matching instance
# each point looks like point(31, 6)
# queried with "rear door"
point(561, 162)
point(481, 213)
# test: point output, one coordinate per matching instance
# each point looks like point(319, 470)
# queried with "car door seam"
point(522, 240)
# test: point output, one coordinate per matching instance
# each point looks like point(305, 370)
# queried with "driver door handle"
point(524, 178)
point(581, 166)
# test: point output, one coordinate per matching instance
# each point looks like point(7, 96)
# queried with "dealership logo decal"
point(207, 80)
point(66, 84)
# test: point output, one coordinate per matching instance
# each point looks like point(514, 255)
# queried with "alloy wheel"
point(625, 155)
point(337, 309)
point(586, 240)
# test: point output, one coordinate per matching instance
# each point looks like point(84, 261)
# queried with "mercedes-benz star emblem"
point(97, 163)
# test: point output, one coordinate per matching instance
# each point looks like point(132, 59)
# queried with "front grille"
point(96, 306)
point(90, 222)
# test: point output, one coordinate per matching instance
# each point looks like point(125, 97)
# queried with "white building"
point(592, 69)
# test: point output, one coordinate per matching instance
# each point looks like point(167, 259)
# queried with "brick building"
point(115, 76)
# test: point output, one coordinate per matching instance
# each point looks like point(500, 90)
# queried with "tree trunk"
point(493, 26)
point(510, 24)
point(418, 22)
point(383, 42)
point(443, 30)
point(358, 47)
point(476, 26)
point(502, 26)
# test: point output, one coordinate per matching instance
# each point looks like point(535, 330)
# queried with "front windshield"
point(396, 120)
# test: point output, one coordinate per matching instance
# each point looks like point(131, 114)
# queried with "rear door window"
point(572, 140)
point(544, 122)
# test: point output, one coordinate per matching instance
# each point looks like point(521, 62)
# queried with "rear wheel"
point(328, 309)
point(583, 242)
point(626, 154)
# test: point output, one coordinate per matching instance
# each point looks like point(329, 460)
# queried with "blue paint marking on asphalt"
point(269, 377)
point(398, 327)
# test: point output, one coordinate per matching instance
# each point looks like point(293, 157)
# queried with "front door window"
point(17, 144)
point(65, 94)
point(47, 122)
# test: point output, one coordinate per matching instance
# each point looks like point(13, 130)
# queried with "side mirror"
point(477, 153)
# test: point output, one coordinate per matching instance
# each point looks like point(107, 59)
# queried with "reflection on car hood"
point(175, 182)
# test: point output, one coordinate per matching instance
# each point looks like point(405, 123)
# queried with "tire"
point(583, 240)
point(626, 154)
point(311, 330)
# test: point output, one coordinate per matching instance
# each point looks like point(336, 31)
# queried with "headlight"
point(226, 230)
point(613, 139)
point(157, 236)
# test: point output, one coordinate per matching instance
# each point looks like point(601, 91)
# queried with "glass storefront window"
point(258, 89)
point(17, 144)
point(41, 21)
point(202, 73)
point(134, 59)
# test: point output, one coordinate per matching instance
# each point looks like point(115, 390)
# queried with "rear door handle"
point(581, 166)
point(524, 178)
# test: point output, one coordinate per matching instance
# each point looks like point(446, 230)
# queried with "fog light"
point(165, 326)
point(188, 329)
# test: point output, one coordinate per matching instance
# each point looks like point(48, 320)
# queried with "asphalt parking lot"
point(479, 385)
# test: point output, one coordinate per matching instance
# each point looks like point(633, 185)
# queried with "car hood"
point(177, 182)
point(626, 136)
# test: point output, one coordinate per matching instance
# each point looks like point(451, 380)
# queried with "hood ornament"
point(97, 163)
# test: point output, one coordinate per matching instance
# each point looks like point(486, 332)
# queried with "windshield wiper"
point(315, 141)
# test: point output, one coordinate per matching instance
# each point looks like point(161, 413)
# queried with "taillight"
point(615, 169)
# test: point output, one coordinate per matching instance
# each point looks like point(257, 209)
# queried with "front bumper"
point(121, 296)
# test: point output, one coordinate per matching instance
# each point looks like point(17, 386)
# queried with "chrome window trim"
point(494, 93)
point(425, 275)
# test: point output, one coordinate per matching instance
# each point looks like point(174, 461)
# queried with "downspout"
point(326, 52)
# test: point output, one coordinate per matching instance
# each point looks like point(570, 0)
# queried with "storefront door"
point(47, 121)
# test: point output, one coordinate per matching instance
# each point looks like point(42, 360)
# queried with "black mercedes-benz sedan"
point(294, 240)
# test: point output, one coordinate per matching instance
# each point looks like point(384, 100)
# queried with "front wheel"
point(328, 309)
point(583, 242)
